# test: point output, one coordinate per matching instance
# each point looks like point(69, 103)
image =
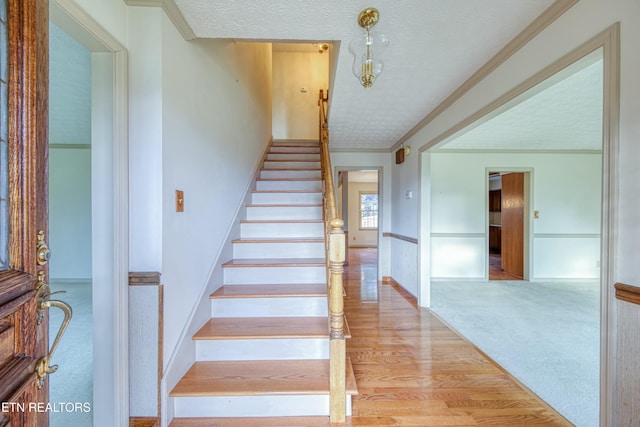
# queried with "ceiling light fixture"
point(367, 49)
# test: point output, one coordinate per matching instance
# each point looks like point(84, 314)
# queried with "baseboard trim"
point(144, 422)
point(411, 299)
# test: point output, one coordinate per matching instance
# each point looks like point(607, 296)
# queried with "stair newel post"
point(337, 342)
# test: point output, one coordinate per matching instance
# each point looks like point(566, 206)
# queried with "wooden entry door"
point(513, 224)
point(23, 271)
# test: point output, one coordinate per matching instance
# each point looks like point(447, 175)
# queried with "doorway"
point(109, 212)
point(508, 238)
point(566, 217)
point(359, 204)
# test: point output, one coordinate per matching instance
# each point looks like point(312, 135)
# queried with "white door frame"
point(110, 217)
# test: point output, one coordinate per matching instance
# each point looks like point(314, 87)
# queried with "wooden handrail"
point(335, 256)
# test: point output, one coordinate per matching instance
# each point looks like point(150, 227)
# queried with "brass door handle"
point(43, 368)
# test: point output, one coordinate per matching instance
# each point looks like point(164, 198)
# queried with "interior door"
point(513, 224)
point(23, 271)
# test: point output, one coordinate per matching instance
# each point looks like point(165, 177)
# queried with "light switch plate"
point(179, 201)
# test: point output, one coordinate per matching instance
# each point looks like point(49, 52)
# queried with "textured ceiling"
point(563, 113)
point(435, 45)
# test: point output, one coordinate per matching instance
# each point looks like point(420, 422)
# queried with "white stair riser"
point(313, 173)
point(254, 406)
point(284, 198)
point(278, 250)
point(269, 307)
point(291, 165)
point(281, 229)
point(274, 275)
point(284, 212)
point(276, 149)
point(289, 185)
point(293, 156)
point(265, 349)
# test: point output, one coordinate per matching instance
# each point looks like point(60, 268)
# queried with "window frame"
point(360, 217)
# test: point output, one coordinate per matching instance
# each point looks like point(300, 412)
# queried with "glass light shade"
point(367, 50)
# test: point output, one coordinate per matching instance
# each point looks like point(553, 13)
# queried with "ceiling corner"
point(172, 11)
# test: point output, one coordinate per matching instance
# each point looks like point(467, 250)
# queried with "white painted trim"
point(609, 40)
point(121, 234)
point(89, 32)
point(172, 11)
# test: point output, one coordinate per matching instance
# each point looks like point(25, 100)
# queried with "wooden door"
point(513, 224)
point(23, 273)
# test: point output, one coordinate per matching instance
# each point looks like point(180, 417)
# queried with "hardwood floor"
point(411, 369)
point(496, 272)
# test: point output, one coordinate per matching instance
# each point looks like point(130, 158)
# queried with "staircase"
point(265, 350)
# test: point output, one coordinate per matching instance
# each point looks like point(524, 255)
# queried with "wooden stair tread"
point(260, 378)
point(275, 262)
point(251, 422)
point(279, 240)
point(225, 328)
point(270, 291)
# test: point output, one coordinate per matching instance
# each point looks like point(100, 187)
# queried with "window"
point(368, 210)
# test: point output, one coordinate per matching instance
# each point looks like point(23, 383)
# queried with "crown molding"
point(172, 11)
point(545, 19)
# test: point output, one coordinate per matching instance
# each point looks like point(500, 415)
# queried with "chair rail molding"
point(628, 293)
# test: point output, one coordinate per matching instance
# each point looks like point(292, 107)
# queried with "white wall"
point(295, 113)
point(358, 236)
point(565, 240)
point(145, 138)
point(69, 157)
point(216, 123)
point(583, 21)
point(70, 213)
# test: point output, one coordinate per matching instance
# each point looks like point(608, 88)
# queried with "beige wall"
point(297, 80)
